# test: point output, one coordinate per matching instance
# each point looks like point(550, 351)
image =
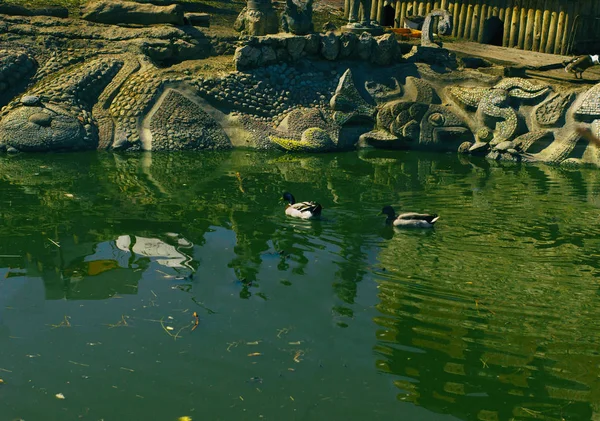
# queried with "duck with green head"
point(409, 219)
point(304, 210)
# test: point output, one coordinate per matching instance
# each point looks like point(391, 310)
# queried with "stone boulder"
point(246, 57)
point(257, 22)
point(126, 12)
point(330, 46)
point(17, 10)
point(38, 129)
point(387, 50)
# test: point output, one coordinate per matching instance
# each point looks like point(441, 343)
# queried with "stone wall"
point(264, 51)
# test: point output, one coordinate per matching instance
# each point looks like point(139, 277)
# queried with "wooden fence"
point(549, 26)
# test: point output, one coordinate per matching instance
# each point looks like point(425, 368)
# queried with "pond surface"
point(493, 315)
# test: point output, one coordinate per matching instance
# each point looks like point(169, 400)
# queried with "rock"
point(30, 100)
point(465, 147)
point(386, 50)
point(12, 150)
point(118, 11)
point(348, 41)
point(330, 46)
point(366, 45)
point(295, 47)
point(503, 146)
point(41, 119)
point(257, 22)
point(17, 10)
point(318, 138)
point(268, 56)
point(347, 99)
point(479, 148)
point(329, 26)
point(246, 57)
point(313, 42)
point(198, 19)
point(42, 129)
point(297, 18)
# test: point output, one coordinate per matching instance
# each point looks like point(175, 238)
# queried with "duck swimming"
point(304, 210)
point(409, 219)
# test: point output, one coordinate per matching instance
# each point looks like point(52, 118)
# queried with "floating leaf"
point(169, 328)
point(254, 354)
point(186, 418)
point(59, 396)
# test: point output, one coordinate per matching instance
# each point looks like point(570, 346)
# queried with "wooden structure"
point(549, 26)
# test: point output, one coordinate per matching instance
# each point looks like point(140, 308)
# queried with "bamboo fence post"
point(522, 24)
point(462, 18)
point(397, 14)
point(475, 21)
point(421, 8)
point(482, 16)
point(560, 27)
point(569, 26)
point(444, 5)
point(514, 25)
point(552, 30)
point(374, 7)
point(545, 26)
point(507, 19)
point(346, 9)
point(402, 14)
point(537, 25)
point(436, 5)
point(529, 25)
point(467, 30)
point(455, 15)
point(380, 12)
point(427, 8)
point(490, 9)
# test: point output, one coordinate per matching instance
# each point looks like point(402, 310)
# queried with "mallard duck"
point(304, 210)
point(409, 219)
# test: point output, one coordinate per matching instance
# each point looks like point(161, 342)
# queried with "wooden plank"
point(529, 26)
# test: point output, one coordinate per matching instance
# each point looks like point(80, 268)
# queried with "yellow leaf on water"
point(169, 328)
point(1, 381)
point(186, 418)
point(254, 354)
point(69, 195)
point(59, 396)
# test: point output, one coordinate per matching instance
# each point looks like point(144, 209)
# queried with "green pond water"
point(493, 315)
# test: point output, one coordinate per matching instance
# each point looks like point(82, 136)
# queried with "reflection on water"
point(493, 315)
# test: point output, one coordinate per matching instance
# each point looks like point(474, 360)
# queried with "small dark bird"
point(304, 210)
point(409, 219)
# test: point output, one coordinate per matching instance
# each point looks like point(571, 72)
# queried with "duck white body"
point(410, 219)
point(304, 210)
